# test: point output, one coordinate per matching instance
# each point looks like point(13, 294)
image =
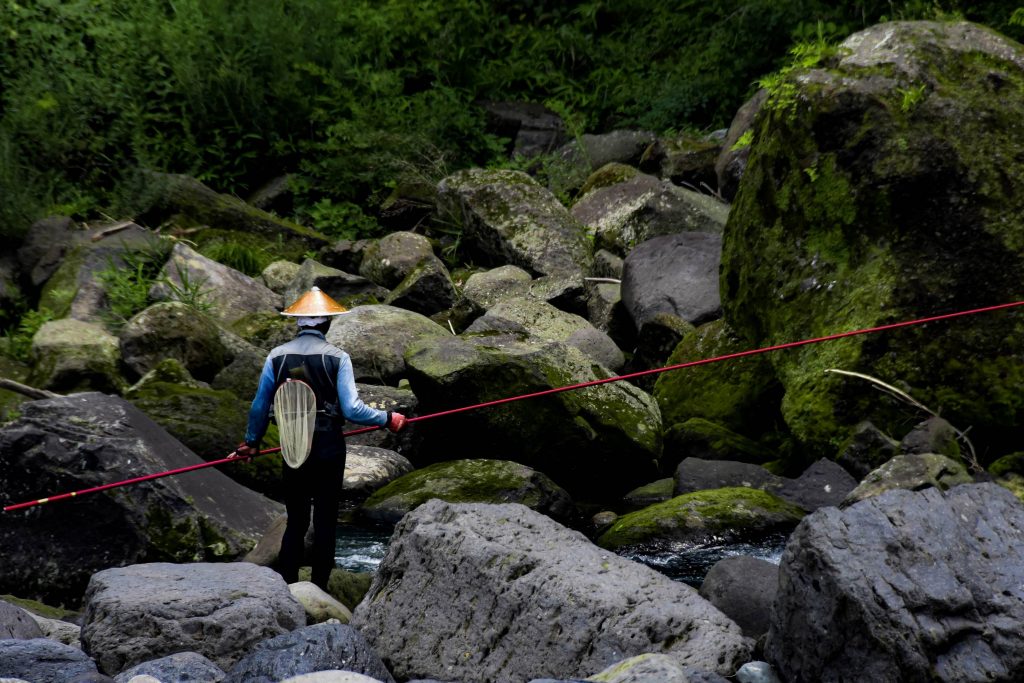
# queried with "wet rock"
point(501, 570)
point(307, 650)
point(368, 469)
point(319, 605)
point(912, 472)
point(41, 660)
point(743, 588)
point(180, 666)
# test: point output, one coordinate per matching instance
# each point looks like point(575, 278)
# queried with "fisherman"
point(316, 474)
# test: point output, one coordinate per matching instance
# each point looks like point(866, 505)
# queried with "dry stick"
point(26, 390)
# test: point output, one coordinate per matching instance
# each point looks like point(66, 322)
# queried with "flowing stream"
point(361, 548)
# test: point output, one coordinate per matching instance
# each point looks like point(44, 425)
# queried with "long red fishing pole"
point(546, 392)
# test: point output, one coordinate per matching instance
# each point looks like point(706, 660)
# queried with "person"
point(317, 481)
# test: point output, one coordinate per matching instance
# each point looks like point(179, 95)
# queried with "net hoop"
point(295, 413)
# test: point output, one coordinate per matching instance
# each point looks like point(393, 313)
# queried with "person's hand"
point(395, 422)
point(244, 450)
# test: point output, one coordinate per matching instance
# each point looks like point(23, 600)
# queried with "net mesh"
point(295, 412)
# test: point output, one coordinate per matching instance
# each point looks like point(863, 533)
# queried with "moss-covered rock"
point(656, 492)
point(1008, 464)
point(740, 394)
point(10, 400)
point(341, 286)
point(888, 184)
point(700, 438)
point(595, 441)
point(208, 421)
point(696, 518)
point(469, 481)
point(427, 289)
point(914, 471)
point(174, 330)
point(1014, 483)
point(69, 355)
point(348, 588)
point(610, 174)
point(279, 274)
point(265, 330)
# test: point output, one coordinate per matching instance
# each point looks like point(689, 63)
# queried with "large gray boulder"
point(85, 440)
point(71, 355)
point(524, 597)
point(904, 586)
point(17, 623)
point(507, 218)
point(605, 439)
point(376, 338)
point(41, 660)
point(469, 481)
point(540, 320)
point(176, 330)
point(368, 469)
point(489, 287)
point(144, 611)
point(625, 214)
point(392, 258)
point(579, 158)
point(43, 248)
point(226, 294)
point(180, 667)
point(744, 588)
point(676, 274)
point(322, 647)
point(428, 289)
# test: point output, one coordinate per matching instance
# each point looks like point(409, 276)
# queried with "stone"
point(655, 341)
point(756, 672)
point(62, 631)
point(579, 158)
point(469, 481)
point(656, 492)
point(744, 588)
point(175, 330)
point(41, 660)
point(491, 286)
point(180, 666)
point(533, 128)
point(906, 585)
point(653, 668)
point(307, 650)
point(428, 289)
point(508, 218)
point(537, 319)
point(346, 255)
point(386, 398)
point(625, 214)
point(601, 441)
point(732, 160)
point(223, 293)
point(933, 435)
point(43, 248)
point(70, 355)
point(221, 611)
point(279, 274)
point(394, 257)
point(676, 274)
point(912, 471)
point(85, 440)
point(867, 449)
point(319, 605)
point(331, 676)
point(606, 312)
point(822, 484)
point(368, 469)
point(700, 438)
point(377, 337)
point(502, 570)
point(942, 160)
point(702, 518)
point(345, 288)
point(17, 623)
point(684, 160)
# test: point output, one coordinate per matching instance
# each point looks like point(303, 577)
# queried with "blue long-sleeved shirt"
point(310, 343)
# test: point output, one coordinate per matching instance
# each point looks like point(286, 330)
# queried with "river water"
point(361, 548)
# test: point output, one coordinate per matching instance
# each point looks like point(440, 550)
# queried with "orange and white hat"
point(314, 305)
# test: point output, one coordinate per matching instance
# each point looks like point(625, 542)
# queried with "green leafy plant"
point(241, 257)
point(19, 339)
point(126, 283)
point(911, 97)
point(190, 291)
point(743, 141)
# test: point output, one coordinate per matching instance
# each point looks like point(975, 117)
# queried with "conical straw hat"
point(313, 304)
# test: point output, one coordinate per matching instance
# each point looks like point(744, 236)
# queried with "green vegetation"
point(353, 97)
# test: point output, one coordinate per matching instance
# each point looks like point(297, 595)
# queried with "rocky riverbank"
point(877, 183)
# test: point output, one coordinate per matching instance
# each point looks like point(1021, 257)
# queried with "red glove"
point(244, 450)
point(395, 422)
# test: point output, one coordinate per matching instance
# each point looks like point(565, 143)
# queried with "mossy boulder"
point(601, 440)
point(376, 338)
point(1008, 464)
point(174, 330)
point(265, 330)
point(508, 218)
point(610, 174)
point(345, 288)
point(489, 287)
point(392, 258)
point(469, 481)
point(623, 215)
point(741, 395)
point(912, 471)
point(656, 492)
point(70, 355)
point(427, 289)
point(684, 159)
point(887, 184)
point(348, 588)
point(540, 320)
point(718, 515)
point(279, 274)
point(209, 422)
point(700, 438)
point(10, 400)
